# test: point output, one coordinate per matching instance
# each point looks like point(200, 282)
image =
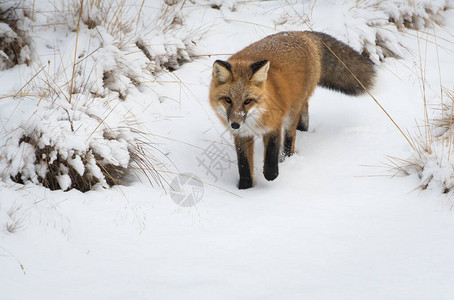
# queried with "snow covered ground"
point(333, 225)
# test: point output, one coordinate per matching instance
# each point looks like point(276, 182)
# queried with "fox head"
point(238, 94)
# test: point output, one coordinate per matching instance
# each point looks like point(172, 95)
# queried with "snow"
point(334, 224)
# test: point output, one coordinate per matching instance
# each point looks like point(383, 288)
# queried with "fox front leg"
point(245, 154)
point(272, 142)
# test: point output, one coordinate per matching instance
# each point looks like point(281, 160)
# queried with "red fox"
point(264, 89)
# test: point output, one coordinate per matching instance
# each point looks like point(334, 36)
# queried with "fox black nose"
point(235, 125)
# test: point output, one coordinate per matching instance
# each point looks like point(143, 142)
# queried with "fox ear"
point(260, 71)
point(222, 71)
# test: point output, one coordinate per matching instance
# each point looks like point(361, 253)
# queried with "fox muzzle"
point(235, 125)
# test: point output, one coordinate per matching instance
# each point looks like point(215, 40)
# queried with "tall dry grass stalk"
point(432, 158)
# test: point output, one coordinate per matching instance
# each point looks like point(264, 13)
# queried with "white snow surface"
point(333, 225)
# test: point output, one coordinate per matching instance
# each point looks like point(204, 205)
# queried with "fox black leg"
point(244, 151)
point(302, 126)
point(303, 123)
point(288, 145)
point(272, 143)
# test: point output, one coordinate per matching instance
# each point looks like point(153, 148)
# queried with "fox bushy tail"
point(335, 75)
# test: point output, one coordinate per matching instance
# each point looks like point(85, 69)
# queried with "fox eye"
point(227, 99)
point(247, 101)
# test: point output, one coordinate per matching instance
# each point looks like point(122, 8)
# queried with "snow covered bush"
point(75, 122)
point(392, 16)
point(14, 25)
point(370, 26)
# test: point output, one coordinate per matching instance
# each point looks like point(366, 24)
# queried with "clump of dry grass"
point(15, 219)
point(178, 43)
point(84, 131)
point(401, 16)
point(432, 157)
point(13, 35)
point(376, 35)
point(53, 167)
point(433, 150)
point(113, 16)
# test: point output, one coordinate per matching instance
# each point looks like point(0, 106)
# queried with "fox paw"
point(270, 173)
point(303, 125)
point(245, 183)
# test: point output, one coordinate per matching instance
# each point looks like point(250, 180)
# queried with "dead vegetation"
point(377, 37)
point(80, 97)
point(432, 150)
point(14, 48)
point(414, 16)
point(15, 219)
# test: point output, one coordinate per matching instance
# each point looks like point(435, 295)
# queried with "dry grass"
point(432, 156)
point(411, 19)
point(109, 14)
point(13, 42)
point(391, 18)
point(70, 95)
point(14, 257)
point(15, 221)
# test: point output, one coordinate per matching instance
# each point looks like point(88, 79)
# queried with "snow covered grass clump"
point(73, 122)
point(370, 26)
point(14, 25)
point(433, 151)
point(392, 16)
